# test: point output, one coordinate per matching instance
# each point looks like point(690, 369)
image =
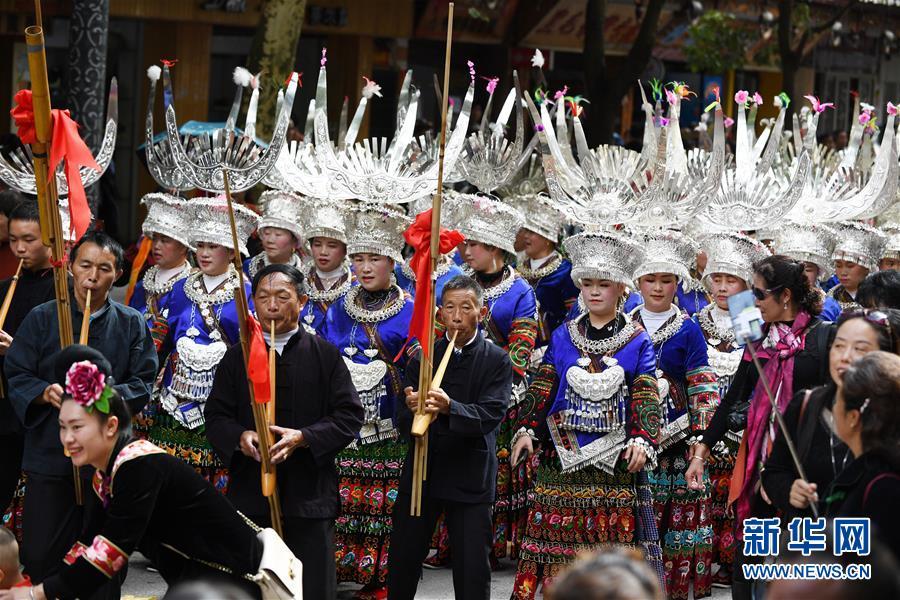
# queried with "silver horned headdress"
point(210, 223)
point(756, 192)
point(892, 242)
point(17, 171)
point(733, 254)
point(376, 170)
point(807, 242)
point(598, 255)
point(486, 220)
point(167, 215)
point(207, 156)
point(376, 229)
point(859, 243)
point(282, 210)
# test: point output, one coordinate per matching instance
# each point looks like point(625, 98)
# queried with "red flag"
point(66, 145)
point(258, 363)
point(418, 235)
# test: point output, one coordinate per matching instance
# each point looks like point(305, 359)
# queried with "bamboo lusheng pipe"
point(422, 421)
point(260, 418)
point(85, 320)
point(7, 300)
point(268, 478)
point(420, 454)
point(45, 186)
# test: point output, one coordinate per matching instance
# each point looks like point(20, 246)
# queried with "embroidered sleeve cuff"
point(74, 552)
point(649, 450)
point(105, 556)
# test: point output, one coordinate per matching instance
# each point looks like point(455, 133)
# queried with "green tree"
point(716, 43)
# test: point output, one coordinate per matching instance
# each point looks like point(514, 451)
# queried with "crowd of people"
point(596, 399)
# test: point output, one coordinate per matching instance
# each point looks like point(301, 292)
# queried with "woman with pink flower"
point(141, 499)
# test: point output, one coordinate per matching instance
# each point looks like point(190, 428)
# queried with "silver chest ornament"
point(595, 401)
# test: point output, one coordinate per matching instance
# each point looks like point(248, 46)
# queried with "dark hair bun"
point(77, 353)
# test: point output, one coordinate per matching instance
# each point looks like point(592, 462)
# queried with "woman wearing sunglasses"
point(808, 417)
point(793, 354)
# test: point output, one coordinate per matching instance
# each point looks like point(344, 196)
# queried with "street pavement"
point(437, 584)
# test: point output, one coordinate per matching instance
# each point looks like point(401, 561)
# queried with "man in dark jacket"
point(462, 457)
point(51, 518)
point(34, 286)
point(317, 413)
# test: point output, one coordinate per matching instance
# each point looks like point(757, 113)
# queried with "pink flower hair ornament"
point(86, 384)
point(817, 105)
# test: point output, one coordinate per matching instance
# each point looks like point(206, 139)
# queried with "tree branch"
point(642, 48)
point(830, 22)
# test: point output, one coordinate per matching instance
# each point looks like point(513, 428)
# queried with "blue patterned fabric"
point(555, 294)
point(691, 301)
point(342, 331)
point(831, 310)
point(409, 285)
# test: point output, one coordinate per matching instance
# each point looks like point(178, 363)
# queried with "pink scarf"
point(779, 371)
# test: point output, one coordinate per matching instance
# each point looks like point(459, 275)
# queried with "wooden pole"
point(260, 417)
point(45, 184)
point(7, 300)
point(420, 453)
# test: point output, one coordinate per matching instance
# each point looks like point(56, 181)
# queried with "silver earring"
point(785, 306)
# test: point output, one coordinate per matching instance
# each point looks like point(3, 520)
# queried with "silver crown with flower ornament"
point(601, 255)
point(376, 229)
point(210, 223)
point(375, 170)
point(663, 186)
point(323, 218)
point(667, 252)
point(855, 183)
point(807, 242)
point(484, 219)
point(754, 193)
point(859, 243)
point(281, 210)
point(167, 215)
point(17, 169)
point(203, 159)
point(731, 253)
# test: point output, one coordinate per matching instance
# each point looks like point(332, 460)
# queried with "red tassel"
point(258, 363)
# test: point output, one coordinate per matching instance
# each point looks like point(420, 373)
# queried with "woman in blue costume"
point(203, 323)
point(490, 229)
point(167, 226)
point(594, 408)
point(689, 395)
point(813, 245)
point(729, 271)
point(856, 254)
point(370, 324)
point(548, 273)
point(446, 270)
point(279, 232)
point(329, 275)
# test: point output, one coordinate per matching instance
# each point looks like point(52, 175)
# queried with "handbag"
point(280, 574)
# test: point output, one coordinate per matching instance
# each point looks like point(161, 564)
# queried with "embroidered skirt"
point(685, 528)
point(190, 445)
point(369, 479)
point(582, 511)
point(720, 467)
point(513, 485)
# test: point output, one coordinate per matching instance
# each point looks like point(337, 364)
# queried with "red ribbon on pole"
point(258, 363)
point(66, 145)
point(418, 235)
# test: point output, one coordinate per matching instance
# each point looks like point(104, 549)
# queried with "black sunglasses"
point(761, 294)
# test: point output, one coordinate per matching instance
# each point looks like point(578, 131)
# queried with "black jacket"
point(810, 370)
point(118, 332)
point(160, 506)
point(33, 288)
point(868, 487)
point(462, 447)
point(822, 454)
point(315, 395)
